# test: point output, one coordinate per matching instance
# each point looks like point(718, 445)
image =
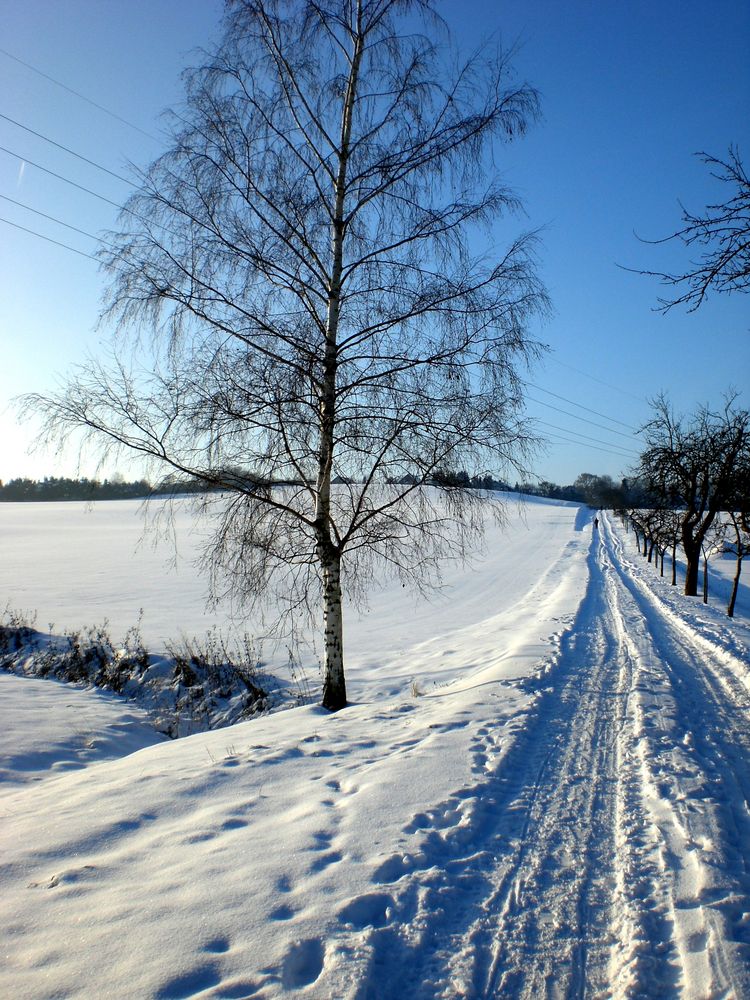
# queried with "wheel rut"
point(593, 859)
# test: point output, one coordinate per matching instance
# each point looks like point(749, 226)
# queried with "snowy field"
point(557, 807)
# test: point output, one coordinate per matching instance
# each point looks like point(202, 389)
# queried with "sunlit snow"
point(541, 785)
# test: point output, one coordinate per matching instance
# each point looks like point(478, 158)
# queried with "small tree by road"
point(740, 523)
point(333, 301)
point(712, 545)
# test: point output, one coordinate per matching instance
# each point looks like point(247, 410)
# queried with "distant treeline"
point(52, 488)
point(588, 488)
point(597, 491)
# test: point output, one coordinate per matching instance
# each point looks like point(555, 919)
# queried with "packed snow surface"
point(540, 790)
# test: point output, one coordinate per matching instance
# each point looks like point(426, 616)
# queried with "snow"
point(50, 728)
point(561, 811)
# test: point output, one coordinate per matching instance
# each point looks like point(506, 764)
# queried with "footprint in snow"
point(65, 878)
point(376, 909)
point(325, 861)
point(203, 977)
point(418, 822)
point(234, 823)
point(217, 946)
point(393, 868)
point(302, 964)
point(198, 838)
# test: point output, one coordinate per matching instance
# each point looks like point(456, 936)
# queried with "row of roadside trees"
point(693, 490)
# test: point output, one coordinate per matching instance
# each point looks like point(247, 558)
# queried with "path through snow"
point(608, 852)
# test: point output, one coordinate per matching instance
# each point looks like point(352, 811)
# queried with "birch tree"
point(319, 277)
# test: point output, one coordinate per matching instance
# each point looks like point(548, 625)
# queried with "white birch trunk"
point(334, 686)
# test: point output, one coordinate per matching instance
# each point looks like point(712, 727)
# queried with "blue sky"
point(630, 92)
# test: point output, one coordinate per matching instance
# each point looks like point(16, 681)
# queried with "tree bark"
point(334, 686)
point(691, 573)
point(674, 564)
point(735, 587)
point(705, 580)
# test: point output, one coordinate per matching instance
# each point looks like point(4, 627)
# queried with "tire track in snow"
point(694, 750)
point(594, 859)
point(517, 901)
point(590, 803)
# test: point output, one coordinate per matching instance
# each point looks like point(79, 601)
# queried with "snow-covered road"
point(611, 852)
point(562, 812)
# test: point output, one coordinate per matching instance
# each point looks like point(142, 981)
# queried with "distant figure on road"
point(596, 523)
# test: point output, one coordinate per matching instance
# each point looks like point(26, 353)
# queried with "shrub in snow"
point(16, 631)
point(200, 685)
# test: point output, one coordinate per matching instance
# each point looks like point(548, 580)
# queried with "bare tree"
point(669, 538)
point(741, 524)
point(738, 516)
point(691, 466)
point(312, 258)
point(721, 234)
point(712, 545)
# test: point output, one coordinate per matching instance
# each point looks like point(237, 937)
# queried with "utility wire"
point(539, 402)
point(572, 402)
point(575, 416)
point(81, 253)
point(99, 107)
point(118, 205)
point(593, 378)
point(66, 149)
point(564, 440)
point(65, 246)
point(567, 430)
point(125, 180)
point(60, 177)
point(58, 221)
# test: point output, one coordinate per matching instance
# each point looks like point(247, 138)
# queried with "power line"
point(66, 149)
point(66, 180)
point(625, 454)
point(65, 246)
point(593, 378)
point(567, 430)
point(572, 402)
point(533, 385)
point(60, 177)
point(76, 93)
point(59, 222)
point(609, 451)
point(575, 416)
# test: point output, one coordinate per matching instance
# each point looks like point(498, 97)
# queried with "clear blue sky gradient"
point(630, 93)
